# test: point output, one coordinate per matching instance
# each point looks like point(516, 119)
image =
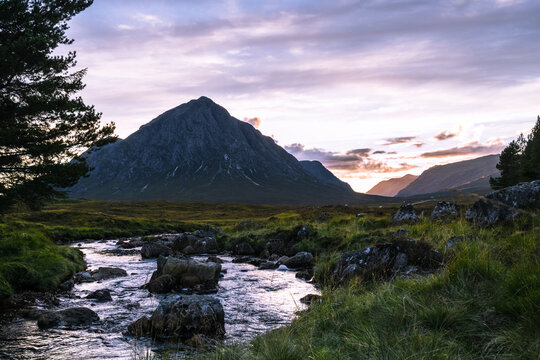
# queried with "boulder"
point(445, 210)
point(103, 295)
point(66, 285)
point(161, 284)
point(181, 317)
point(243, 248)
point(384, 261)
point(154, 250)
point(196, 243)
point(282, 242)
point(78, 316)
point(405, 215)
point(301, 260)
point(519, 196)
point(185, 273)
point(486, 213)
point(106, 272)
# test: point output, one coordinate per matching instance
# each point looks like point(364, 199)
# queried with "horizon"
point(330, 82)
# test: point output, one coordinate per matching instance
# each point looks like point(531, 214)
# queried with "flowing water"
point(254, 301)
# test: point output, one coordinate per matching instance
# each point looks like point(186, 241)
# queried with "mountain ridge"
point(198, 152)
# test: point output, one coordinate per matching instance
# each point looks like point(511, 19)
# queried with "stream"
point(255, 301)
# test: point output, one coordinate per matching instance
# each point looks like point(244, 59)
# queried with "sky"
point(373, 89)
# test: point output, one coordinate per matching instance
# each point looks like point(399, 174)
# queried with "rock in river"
point(301, 260)
point(180, 317)
point(154, 250)
point(78, 316)
point(103, 295)
point(183, 273)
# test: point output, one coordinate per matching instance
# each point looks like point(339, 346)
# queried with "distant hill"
point(199, 152)
point(392, 186)
point(469, 176)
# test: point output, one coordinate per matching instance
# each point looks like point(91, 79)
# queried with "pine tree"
point(530, 163)
point(44, 126)
point(509, 164)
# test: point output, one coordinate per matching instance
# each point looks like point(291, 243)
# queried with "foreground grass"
point(31, 261)
point(484, 304)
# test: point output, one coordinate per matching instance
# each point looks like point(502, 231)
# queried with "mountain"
point(391, 187)
point(325, 176)
point(469, 176)
point(199, 152)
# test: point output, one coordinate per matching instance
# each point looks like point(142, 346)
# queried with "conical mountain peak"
point(199, 152)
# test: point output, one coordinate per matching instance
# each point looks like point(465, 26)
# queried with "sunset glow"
point(373, 89)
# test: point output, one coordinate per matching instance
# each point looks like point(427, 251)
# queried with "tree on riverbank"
point(520, 160)
point(44, 126)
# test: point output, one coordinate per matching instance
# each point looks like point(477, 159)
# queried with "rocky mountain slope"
point(199, 152)
point(391, 187)
point(470, 176)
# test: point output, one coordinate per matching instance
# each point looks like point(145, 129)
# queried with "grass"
point(31, 261)
point(483, 304)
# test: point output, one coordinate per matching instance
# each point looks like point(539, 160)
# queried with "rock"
point(256, 261)
point(282, 259)
point(485, 213)
point(181, 317)
point(200, 242)
point(384, 261)
point(161, 284)
point(243, 248)
point(78, 316)
point(66, 285)
point(199, 276)
point(301, 260)
point(214, 259)
point(359, 215)
point(283, 242)
point(445, 210)
point(309, 299)
point(268, 265)
point(242, 259)
point(130, 243)
point(405, 215)
point(100, 295)
point(282, 268)
point(519, 196)
point(306, 274)
point(106, 272)
point(154, 250)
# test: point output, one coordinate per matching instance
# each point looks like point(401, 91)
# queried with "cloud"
point(444, 135)
point(379, 152)
point(404, 140)
point(473, 148)
point(351, 161)
point(256, 122)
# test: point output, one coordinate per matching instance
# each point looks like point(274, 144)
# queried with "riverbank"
point(483, 303)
